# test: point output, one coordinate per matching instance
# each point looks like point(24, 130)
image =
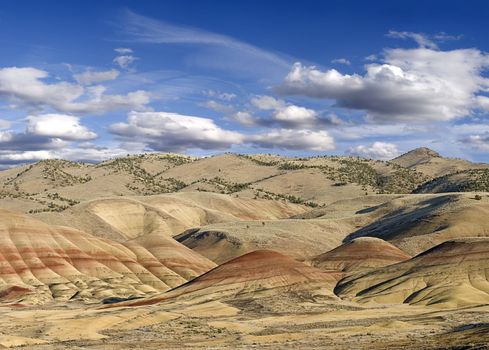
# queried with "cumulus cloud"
point(27, 86)
point(289, 116)
point(415, 85)
point(14, 158)
point(289, 139)
point(244, 118)
point(24, 141)
point(65, 127)
point(295, 115)
point(377, 150)
point(83, 153)
point(45, 133)
point(91, 77)
point(171, 132)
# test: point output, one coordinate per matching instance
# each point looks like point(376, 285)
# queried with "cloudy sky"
point(89, 80)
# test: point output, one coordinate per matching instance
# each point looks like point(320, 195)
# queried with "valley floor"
point(262, 324)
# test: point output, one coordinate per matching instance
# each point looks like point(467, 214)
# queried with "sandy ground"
point(245, 325)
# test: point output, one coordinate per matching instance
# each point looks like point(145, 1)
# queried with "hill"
point(360, 254)
point(41, 263)
point(55, 185)
point(452, 274)
point(126, 218)
point(415, 223)
point(433, 165)
point(254, 274)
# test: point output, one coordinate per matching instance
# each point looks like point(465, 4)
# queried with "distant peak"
point(420, 153)
point(424, 151)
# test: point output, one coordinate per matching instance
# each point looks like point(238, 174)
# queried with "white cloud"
point(215, 51)
point(483, 102)
point(267, 102)
point(125, 57)
point(421, 39)
point(416, 85)
point(377, 150)
point(341, 61)
point(86, 153)
point(479, 142)
point(244, 118)
point(218, 107)
point(225, 96)
point(295, 115)
point(90, 77)
point(26, 86)
point(23, 157)
point(125, 61)
point(372, 57)
point(162, 131)
point(123, 50)
point(5, 124)
point(289, 116)
point(65, 127)
point(289, 139)
point(359, 131)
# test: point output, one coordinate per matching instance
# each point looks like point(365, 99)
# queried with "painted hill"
point(251, 275)
point(452, 274)
point(359, 254)
point(41, 263)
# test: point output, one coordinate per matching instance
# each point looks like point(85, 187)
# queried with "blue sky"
point(89, 80)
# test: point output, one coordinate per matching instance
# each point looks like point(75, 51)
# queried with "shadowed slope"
point(416, 223)
point(452, 274)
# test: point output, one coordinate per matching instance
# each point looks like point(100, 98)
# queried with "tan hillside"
point(55, 185)
point(300, 239)
point(124, 218)
point(40, 263)
point(452, 274)
point(462, 181)
point(359, 254)
point(415, 223)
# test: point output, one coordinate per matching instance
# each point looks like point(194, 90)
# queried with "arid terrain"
point(166, 251)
